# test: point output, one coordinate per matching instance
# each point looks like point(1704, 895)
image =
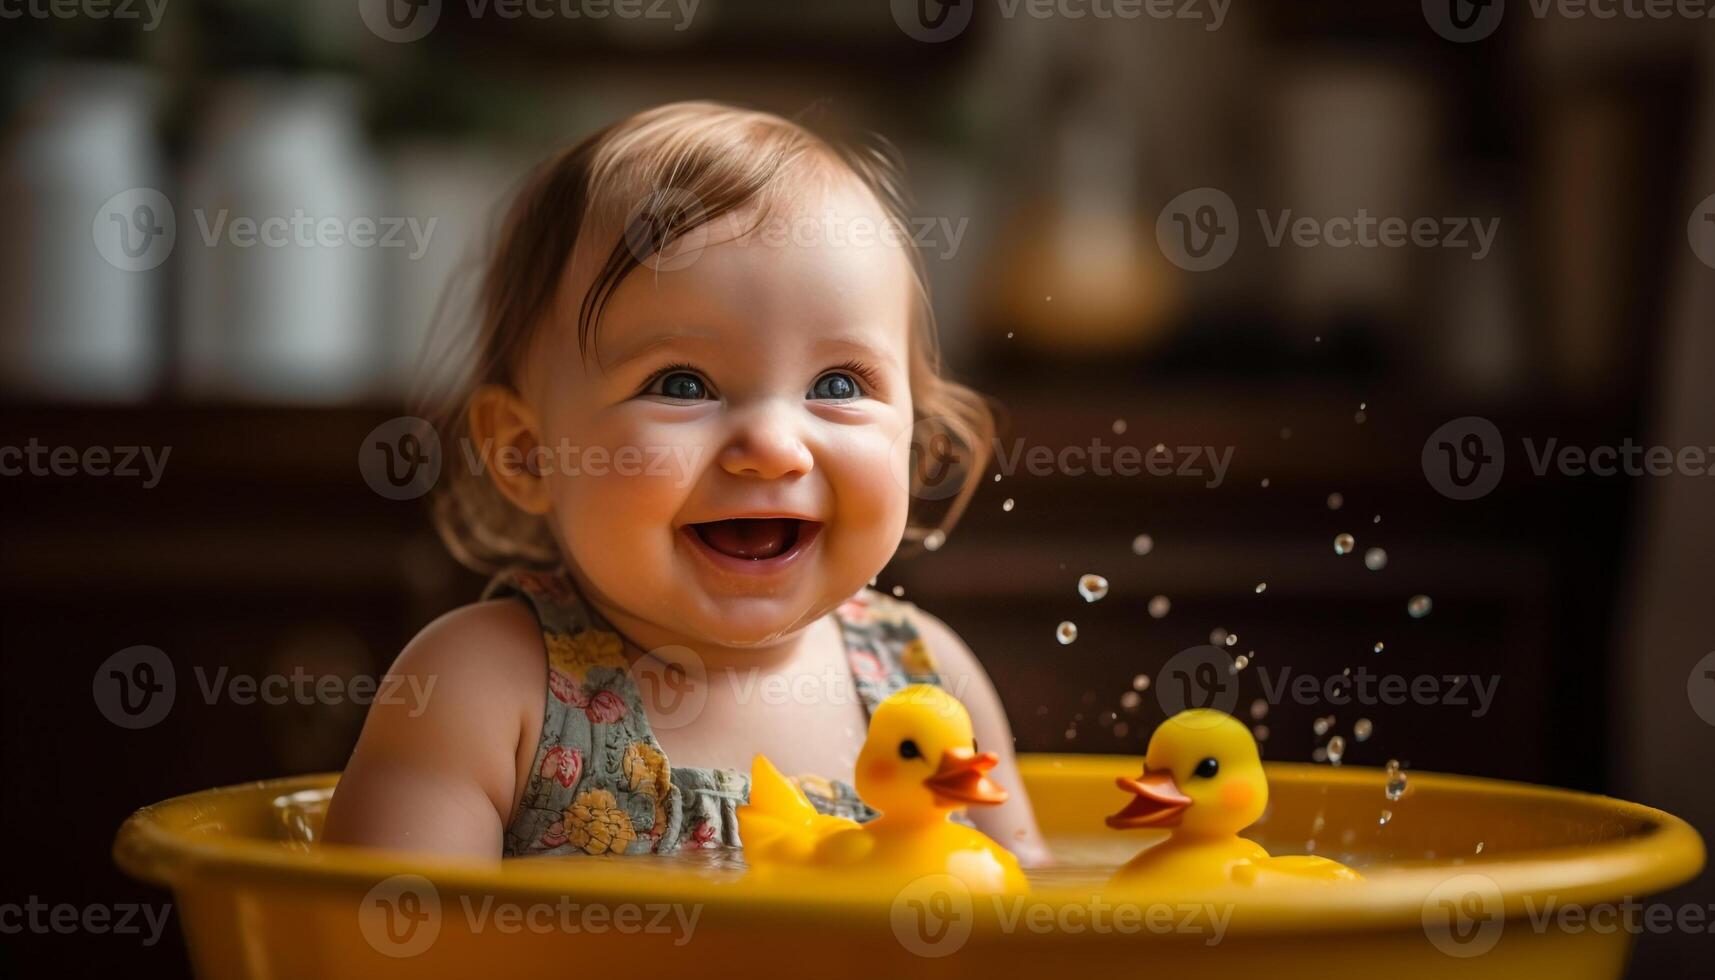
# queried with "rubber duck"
point(919, 765)
point(1203, 780)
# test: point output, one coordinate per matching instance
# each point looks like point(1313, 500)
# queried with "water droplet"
point(1336, 501)
point(1160, 606)
point(1363, 405)
point(1376, 519)
point(1130, 700)
point(1362, 728)
point(1119, 427)
point(1320, 755)
point(1419, 606)
point(1006, 505)
point(1359, 417)
point(1321, 725)
point(997, 478)
point(1265, 482)
point(1218, 636)
point(1121, 729)
point(1232, 639)
point(1092, 587)
point(1396, 781)
point(1066, 632)
point(1009, 335)
point(872, 581)
point(1375, 559)
point(1261, 587)
point(1385, 817)
point(1260, 733)
point(1106, 719)
point(1336, 749)
point(1240, 663)
point(1140, 682)
point(1343, 544)
point(1259, 709)
point(1286, 432)
point(1143, 544)
point(1380, 647)
point(1071, 733)
point(935, 539)
point(1479, 849)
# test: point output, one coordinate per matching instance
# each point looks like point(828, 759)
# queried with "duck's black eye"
point(909, 750)
point(1207, 768)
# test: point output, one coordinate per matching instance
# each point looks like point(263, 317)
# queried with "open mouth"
point(754, 542)
point(1157, 802)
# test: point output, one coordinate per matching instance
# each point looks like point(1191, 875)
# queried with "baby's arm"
point(1012, 823)
point(437, 766)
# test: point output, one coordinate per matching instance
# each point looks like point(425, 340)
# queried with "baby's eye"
point(835, 386)
point(680, 386)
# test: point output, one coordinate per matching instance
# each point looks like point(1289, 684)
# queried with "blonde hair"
point(655, 177)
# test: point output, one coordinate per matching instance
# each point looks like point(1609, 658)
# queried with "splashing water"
point(1380, 646)
point(1259, 709)
point(1260, 733)
point(1143, 544)
point(1336, 501)
point(1006, 505)
point(935, 539)
point(1396, 781)
point(1375, 559)
point(1066, 632)
point(899, 590)
point(1140, 682)
point(1119, 427)
point(1130, 700)
point(1092, 587)
point(1159, 607)
point(1261, 587)
point(1385, 817)
point(1419, 605)
point(1336, 749)
point(1363, 729)
point(1344, 543)
point(1321, 725)
point(1218, 636)
point(1232, 639)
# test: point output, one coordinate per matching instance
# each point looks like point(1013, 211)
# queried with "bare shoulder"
point(482, 649)
point(437, 764)
point(953, 657)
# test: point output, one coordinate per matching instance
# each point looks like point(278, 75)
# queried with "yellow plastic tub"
point(1488, 878)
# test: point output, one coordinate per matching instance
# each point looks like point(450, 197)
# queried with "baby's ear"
point(508, 444)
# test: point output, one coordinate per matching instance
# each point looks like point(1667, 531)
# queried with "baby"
point(701, 358)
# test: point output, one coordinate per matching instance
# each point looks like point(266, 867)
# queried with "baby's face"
point(753, 408)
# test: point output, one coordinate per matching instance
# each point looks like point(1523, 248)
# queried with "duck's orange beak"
point(962, 778)
point(1157, 802)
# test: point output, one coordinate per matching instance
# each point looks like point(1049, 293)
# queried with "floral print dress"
point(600, 783)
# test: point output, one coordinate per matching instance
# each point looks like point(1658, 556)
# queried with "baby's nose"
point(766, 444)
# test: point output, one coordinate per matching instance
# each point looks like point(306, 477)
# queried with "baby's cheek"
point(1237, 796)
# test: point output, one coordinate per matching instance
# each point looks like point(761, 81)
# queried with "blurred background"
point(1046, 154)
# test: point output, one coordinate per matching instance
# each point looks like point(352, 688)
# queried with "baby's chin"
point(755, 622)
